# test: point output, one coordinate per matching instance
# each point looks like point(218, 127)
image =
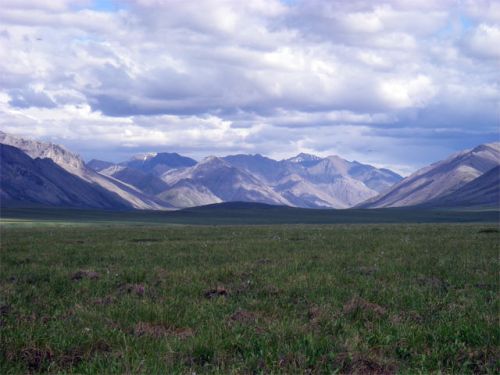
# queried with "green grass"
point(407, 298)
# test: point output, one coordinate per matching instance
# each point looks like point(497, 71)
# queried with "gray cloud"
point(25, 98)
point(361, 78)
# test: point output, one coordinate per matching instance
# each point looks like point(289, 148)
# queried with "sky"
point(396, 84)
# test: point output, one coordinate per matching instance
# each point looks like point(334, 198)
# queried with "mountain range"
point(441, 179)
point(75, 166)
point(35, 172)
point(303, 181)
point(42, 181)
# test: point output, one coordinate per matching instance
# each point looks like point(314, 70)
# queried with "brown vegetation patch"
point(5, 310)
point(182, 333)
point(36, 358)
point(481, 361)
point(105, 301)
point(292, 361)
point(414, 317)
point(71, 358)
point(217, 292)
point(100, 346)
point(368, 271)
point(85, 274)
point(243, 317)
point(39, 359)
point(161, 273)
point(272, 290)
point(361, 365)
point(159, 331)
point(358, 304)
point(368, 366)
point(409, 316)
point(263, 261)
point(243, 287)
point(433, 282)
point(314, 313)
point(111, 324)
point(27, 318)
point(137, 289)
point(148, 329)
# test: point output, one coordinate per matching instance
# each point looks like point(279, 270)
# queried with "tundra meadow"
point(364, 298)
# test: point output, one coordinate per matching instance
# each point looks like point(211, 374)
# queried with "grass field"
point(379, 299)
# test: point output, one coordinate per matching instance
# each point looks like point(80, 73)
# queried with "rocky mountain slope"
point(226, 182)
point(148, 183)
point(73, 164)
point(310, 181)
point(482, 192)
point(159, 163)
point(24, 180)
point(439, 179)
point(99, 165)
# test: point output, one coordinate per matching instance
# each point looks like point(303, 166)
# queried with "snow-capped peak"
point(303, 157)
point(144, 156)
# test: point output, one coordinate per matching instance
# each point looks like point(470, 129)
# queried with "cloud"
point(209, 77)
point(403, 93)
point(485, 42)
point(25, 98)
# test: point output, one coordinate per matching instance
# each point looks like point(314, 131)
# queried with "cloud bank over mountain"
point(398, 83)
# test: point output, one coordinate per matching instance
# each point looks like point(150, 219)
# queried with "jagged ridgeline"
point(165, 180)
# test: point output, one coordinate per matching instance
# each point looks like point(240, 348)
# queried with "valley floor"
point(244, 213)
point(379, 298)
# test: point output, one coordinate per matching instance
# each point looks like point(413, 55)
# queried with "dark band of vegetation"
point(254, 213)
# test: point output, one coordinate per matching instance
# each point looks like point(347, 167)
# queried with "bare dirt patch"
point(358, 304)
